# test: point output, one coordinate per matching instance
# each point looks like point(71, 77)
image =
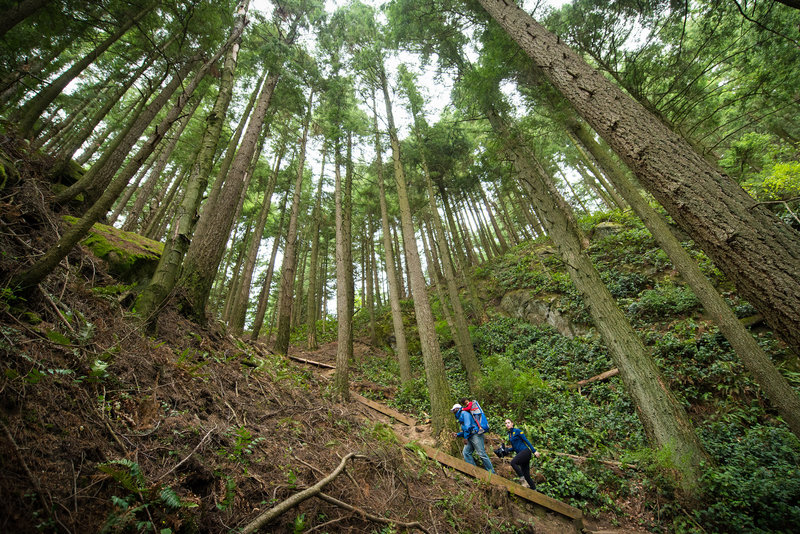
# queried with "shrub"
point(662, 302)
point(755, 486)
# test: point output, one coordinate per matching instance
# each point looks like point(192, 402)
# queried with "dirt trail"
point(548, 522)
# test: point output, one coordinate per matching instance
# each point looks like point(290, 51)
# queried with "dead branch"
point(601, 376)
point(312, 362)
point(297, 498)
point(58, 312)
point(374, 518)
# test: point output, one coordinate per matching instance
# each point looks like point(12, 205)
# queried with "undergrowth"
point(530, 375)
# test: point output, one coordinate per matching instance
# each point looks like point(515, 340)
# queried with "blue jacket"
point(468, 425)
point(518, 440)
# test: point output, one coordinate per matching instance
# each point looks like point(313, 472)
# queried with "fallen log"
point(601, 376)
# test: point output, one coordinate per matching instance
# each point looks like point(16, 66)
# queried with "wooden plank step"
point(312, 362)
point(497, 480)
point(410, 421)
point(456, 463)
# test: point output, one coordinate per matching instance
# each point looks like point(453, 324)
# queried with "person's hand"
point(536, 454)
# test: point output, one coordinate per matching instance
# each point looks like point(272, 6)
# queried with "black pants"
point(521, 464)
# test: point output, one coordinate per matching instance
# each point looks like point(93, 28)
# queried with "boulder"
point(540, 310)
point(131, 258)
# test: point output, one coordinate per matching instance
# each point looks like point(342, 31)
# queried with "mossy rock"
point(131, 258)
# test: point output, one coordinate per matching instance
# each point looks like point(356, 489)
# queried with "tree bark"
point(237, 318)
point(132, 219)
point(19, 12)
point(780, 393)
point(39, 270)
point(401, 345)
point(754, 249)
point(102, 172)
point(263, 297)
point(66, 152)
point(460, 330)
point(207, 245)
point(344, 281)
point(311, 303)
point(286, 293)
point(438, 388)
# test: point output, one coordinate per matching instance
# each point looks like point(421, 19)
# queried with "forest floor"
point(107, 427)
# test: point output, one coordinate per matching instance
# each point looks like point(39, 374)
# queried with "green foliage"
point(326, 332)
point(380, 432)
point(779, 182)
point(508, 386)
point(126, 472)
point(243, 445)
point(141, 497)
point(755, 484)
point(665, 300)
point(413, 397)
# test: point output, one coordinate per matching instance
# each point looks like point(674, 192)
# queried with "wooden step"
point(528, 494)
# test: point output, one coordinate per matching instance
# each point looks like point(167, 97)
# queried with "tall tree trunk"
point(290, 252)
point(460, 329)
point(401, 345)
point(369, 267)
point(754, 249)
point(664, 420)
point(213, 228)
point(438, 388)
point(30, 112)
point(241, 249)
point(92, 149)
point(243, 295)
point(575, 195)
point(489, 211)
point(263, 297)
point(375, 272)
point(297, 306)
point(398, 256)
point(132, 220)
point(344, 282)
point(780, 393)
point(464, 254)
point(311, 302)
point(230, 150)
point(52, 134)
point(155, 220)
point(131, 189)
point(67, 151)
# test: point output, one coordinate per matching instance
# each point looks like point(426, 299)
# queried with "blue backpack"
point(479, 417)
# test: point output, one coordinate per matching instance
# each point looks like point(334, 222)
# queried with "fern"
point(171, 498)
point(131, 478)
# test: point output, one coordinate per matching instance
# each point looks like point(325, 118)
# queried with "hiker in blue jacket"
point(474, 440)
point(521, 463)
